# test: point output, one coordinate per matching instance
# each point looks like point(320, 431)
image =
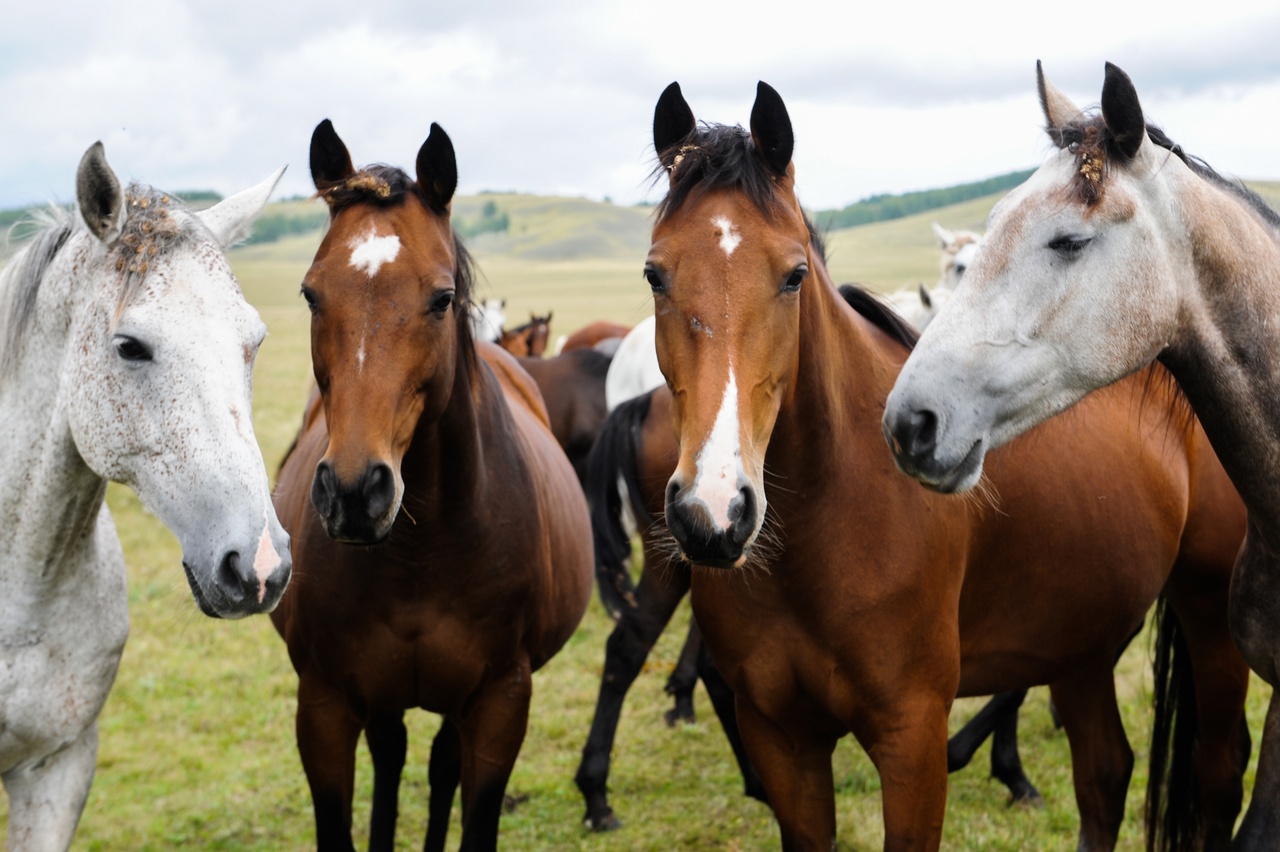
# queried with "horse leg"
point(443, 774)
point(46, 798)
point(327, 734)
point(1254, 613)
point(795, 768)
point(1101, 759)
point(998, 719)
point(724, 703)
point(685, 677)
point(625, 652)
point(387, 741)
point(491, 733)
point(1220, 679)
point(907, 744)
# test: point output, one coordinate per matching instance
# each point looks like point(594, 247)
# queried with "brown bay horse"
point(528, 340)
point(849, 600)
point(593, 333)
point(572, 386)
point(440, 540)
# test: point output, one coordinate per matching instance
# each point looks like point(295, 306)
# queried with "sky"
point(557, 96)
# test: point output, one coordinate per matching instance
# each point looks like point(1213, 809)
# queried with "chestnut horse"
point(528, 340)
point(848, 599)
point(451, 604)
point(1120, 250)
point(592, 334)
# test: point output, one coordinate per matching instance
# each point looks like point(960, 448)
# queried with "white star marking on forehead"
point(370, 252)
point(729, 238)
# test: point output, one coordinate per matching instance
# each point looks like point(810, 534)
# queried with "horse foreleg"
point(491, 733)
point(795, 768)
point(907, 743)
point(625, 652)
point(327, 735)
point(46, 798)
point(684, 678)
point(387, 744)
point(725, 706)
point(1101, 759)
point(445, 769)
point(1261, 825)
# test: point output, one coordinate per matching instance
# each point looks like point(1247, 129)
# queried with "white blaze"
point(729, 238)
point(370, 252)
point(720, 460)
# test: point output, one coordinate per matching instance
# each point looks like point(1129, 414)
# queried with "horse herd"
point(449, 501)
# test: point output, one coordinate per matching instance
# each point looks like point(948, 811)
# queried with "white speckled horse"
point(919, 305)
point(126, 351)
point(488, 318)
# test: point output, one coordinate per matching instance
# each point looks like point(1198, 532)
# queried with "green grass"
point(197, 745)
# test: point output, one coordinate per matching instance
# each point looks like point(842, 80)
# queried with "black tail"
point(1173, 813)
point(614, 456)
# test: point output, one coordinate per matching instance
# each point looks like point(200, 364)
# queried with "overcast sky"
point(557, 96)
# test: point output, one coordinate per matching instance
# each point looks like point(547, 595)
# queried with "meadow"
point(196, 741)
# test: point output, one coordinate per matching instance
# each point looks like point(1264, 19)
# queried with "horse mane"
point(874, 310)
point(387, 186)
point(155, 224)
point(716, 156)
point(1094, 146)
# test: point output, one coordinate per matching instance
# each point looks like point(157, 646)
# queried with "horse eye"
point(1069, 247)
point(310, 296)
point(656, 284)
point(960, 269)
point(441, 302)
point(131, 349)
point(795, 279)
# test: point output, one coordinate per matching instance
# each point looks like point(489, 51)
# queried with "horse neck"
point(444, 467)
point(1226, 355)
point(845, 369)
point(48, 496)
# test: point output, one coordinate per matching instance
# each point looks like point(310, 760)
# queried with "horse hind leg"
point(998, 719)
point(45, 799)
point(387, 745)
point(685, 677)
point(443, 774)
point(724, 703)
point(625, 652)
point(1101, 759)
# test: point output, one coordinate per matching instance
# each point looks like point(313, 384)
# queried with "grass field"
point(197, 746)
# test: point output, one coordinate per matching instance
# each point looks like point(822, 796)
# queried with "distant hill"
point(882, 208)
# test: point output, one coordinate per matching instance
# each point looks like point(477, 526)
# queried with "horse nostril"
point(742, 515)
point(915, 435)
point(233, 576)
point(379, 490)
point(324, 489)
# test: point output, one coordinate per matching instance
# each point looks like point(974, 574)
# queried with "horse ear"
point(924, 296)
point(771, 129)
point(1122, 112)
point(1059, 111)
point(330, 162)
point(231, 220)
point(98, 195)
point(437, 169)
point(672, 121)
point(944, 236)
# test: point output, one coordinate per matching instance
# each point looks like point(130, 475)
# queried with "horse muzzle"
point(703, 540)
point(360, 512)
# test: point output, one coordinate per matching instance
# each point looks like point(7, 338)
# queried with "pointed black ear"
point(672, 120)
point(771, 129)
point(98, 195)
point(437, 169)
point(1122, 112)
point(330, 162)
point(924, 296)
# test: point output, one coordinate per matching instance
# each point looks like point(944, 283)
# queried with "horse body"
point(835, 608)
point(572, 386)
point(437, 451)
point(635, 366)
point(1118, 251)
point(591, 335)
point(104, 378)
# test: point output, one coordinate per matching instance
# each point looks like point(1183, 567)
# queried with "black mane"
point(1204, 170)
point(879, 314)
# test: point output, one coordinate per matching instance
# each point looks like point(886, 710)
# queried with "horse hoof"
point(1029, 798)
point(510, 803)
point(608, 822)
point(671, 717)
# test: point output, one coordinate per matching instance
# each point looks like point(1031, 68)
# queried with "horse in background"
point(433, 454)
point(635, 366)
point(849, 601)
point(528, 340)
point(591, 336)
point(126, 355)
point(572, 386)
point(488, 319)
point(921, 304)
